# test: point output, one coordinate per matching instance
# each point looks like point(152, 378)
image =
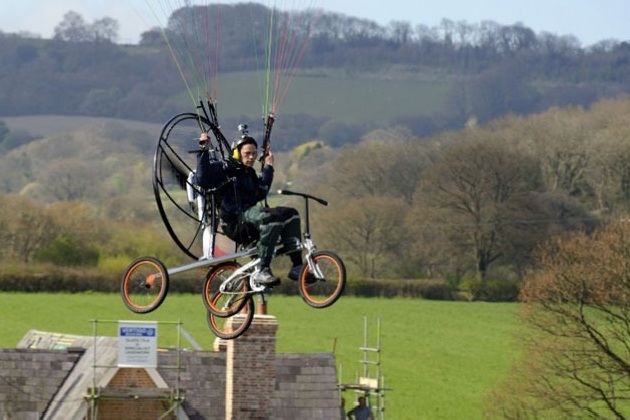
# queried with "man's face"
point(248, 155)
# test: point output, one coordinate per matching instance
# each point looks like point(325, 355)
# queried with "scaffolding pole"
point(173, 396)
point(372, 381)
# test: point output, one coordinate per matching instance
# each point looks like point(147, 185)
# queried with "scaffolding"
point(172, 395)
point(371, 382)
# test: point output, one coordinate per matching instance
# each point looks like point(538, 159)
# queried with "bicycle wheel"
point(234, 326)
point(235, 294)
point(144, 285)
point(329, 283)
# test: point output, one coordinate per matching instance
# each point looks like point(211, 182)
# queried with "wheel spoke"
point(323, 287)
point(234, 326)
point(144, 285)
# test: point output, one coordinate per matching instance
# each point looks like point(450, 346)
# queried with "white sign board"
point(137, 344)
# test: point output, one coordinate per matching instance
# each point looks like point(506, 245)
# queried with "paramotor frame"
point(186, 210)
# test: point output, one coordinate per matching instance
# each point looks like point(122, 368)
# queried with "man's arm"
point(209, 174)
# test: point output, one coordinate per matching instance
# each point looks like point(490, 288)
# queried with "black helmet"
point(238, 144)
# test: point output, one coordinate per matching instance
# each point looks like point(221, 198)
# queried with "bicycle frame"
point(193, 222)
point(246, 270)
point(307, 243)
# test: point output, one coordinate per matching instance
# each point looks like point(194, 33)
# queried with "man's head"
point(245, 150)
point(203, 139)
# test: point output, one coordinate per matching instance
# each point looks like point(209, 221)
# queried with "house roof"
point(30, 378)
point(49, 374)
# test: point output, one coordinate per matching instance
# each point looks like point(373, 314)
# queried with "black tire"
point(234, 326)
point(144, 285)
point(231, 301)
point(321, 293)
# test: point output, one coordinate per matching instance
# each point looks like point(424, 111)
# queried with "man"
point(361, 411)
point(240, 194)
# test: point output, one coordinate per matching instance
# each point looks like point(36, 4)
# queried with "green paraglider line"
point(189, 35)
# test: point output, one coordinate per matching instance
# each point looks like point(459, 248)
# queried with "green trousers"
point(274, 224)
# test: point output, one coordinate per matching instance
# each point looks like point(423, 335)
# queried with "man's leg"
point(291, 234)
point(269, 233)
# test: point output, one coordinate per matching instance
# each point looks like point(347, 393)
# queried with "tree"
point(576, 358)
point(105, 29)
point(64, 250)
point(101, 101)
point(478, 191)
point(515, 38)
point(337, 134)
point(84, 227)
point(369, 232)
point(376, 181)
point(387, 163)
point(73, 28)
point(16, 138)
point(400, 32)
point(608, 172)
point(26, 227)
point(70, 179)
point(500, 90)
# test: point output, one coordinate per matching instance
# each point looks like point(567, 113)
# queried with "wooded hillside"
point(522, 144)
point(355, 75)
point(470, 205)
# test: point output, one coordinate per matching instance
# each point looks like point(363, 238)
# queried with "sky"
point(590, 21)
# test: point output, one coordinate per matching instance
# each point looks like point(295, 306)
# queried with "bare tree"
point(608, 172)
point(105, 29)
point(390, 163)
point(369, 232)
point(576, 358)
point(73, 28)
point(70, 179)
point(400, 31)
point(477, 189)
point(26, 227)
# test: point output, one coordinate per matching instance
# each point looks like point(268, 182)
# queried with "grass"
point(345, 98)
point(439, 358)
point(49, 125)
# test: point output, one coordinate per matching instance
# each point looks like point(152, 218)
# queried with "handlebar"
point(319, 200)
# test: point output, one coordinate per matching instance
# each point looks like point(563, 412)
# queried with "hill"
point(350, 97)
point(354, 75)
point(50, 125)
point(107, 157)
point(314, 108)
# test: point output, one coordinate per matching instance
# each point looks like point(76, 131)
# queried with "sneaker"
point(265, 277)
point(296, 270)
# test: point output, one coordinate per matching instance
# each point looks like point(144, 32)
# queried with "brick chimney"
point(251, 372)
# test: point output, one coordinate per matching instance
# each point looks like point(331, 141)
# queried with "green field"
point(346, 98)
point(439, 358)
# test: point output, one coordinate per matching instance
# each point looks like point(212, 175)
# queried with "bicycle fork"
point(312, 266)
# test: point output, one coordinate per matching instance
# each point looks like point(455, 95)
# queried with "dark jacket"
point(238, 186)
